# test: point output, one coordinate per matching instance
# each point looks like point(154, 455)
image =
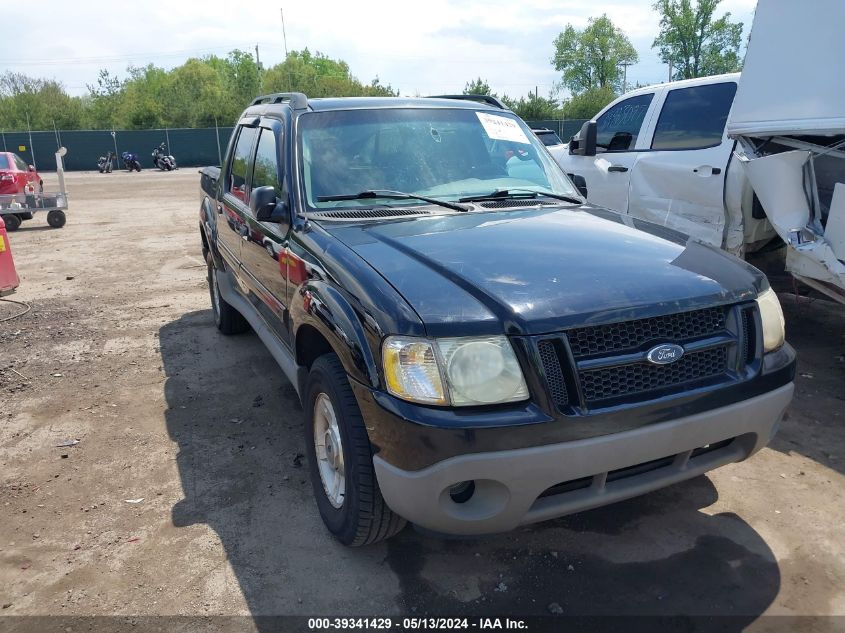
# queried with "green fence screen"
point(191, 147)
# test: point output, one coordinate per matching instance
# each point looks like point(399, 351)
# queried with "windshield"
point(439, 153)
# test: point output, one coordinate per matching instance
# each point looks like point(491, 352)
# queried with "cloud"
point(419, 47)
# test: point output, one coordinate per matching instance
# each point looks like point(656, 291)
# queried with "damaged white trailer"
point(789, 120)
point(692, 154)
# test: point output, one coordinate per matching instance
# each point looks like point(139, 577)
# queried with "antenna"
point(284, 35)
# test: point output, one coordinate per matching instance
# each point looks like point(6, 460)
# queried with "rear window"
point(4, 161)
point(549, 138)
point(694, 118)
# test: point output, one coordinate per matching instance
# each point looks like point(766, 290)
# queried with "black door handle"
point(619, 168)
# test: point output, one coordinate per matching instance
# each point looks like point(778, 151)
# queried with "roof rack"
point(297, 100)
point(488, 99)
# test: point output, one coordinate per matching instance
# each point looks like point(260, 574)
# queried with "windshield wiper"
point(520, 192)
point(389, 195)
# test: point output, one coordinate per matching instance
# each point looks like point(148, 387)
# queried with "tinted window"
point(618, 128)
point(266, 170)
point(4, 161)
point(19, 162)
point(549, 138)
point(694, 117)
point(237, 172)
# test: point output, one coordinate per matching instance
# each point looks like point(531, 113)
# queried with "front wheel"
point(13, 222)
point(56, 218)
point(341, 460)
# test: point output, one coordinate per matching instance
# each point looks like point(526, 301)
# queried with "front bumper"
point(582, 474)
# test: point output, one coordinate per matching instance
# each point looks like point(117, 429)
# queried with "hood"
point(545, 269)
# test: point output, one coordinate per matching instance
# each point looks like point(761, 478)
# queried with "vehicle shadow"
point(237, 423)
point(814, 425)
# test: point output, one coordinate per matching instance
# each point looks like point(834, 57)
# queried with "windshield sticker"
point(500, 128)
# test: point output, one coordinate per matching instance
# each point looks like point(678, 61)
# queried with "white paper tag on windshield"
point(501, 128)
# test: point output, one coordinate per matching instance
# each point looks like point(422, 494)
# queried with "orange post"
point(9, 279)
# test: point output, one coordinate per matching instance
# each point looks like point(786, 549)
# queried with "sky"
point(428, 47)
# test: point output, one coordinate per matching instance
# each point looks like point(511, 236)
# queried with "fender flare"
point(325, 308)
point(208, 227)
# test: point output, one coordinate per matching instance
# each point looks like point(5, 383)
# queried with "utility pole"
point(257, 58)
point(625, 76)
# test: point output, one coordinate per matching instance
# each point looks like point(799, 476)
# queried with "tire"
point(40, 186)
point(56, 218)
point(358, 516)
point(102, 169)
point(13, 222)
point(226, 318)
point(138, 167)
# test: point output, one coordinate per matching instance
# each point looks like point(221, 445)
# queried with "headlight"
point(481, 370)
point(771, 316)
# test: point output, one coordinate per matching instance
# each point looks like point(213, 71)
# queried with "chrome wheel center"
point(329, 450)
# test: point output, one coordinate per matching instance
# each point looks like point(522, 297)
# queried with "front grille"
point(748, 334)
point(634, 378)
point(554, 373)
point(631, 335)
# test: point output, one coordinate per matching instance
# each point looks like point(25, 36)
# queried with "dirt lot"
point(119, 352)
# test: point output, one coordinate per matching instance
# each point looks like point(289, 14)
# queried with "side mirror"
point(580, 183)
point(586, 140)
point(266, 206)
point(32, 168)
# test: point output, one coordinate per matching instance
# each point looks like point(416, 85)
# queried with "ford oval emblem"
point(665, 354)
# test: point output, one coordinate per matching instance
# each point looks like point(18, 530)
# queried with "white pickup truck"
point(745, 163)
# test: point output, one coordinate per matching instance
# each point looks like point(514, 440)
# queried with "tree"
point(534, 108)
point(591, 58)
point(587, 104)
point(318, 75)
point(694, 42)
point(478, 87)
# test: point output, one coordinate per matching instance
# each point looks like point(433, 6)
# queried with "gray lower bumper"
point(601, 470)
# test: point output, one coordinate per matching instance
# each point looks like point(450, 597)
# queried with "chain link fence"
point(191, 147)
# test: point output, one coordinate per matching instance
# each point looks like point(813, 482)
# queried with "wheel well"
point(310, 345)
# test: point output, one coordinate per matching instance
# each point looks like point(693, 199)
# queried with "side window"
point(694, 118)
point(618, 128)
point(20, 163)
point(236, 182)
point(266, 170)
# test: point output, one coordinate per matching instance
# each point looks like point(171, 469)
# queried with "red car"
point(15, 174)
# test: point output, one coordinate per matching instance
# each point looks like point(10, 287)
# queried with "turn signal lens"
point(411, 370)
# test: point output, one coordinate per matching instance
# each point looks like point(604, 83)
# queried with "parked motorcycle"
point(130, 161)
point(104, 163)
point(162, 160)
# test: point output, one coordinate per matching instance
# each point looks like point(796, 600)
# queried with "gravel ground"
point(186, 496)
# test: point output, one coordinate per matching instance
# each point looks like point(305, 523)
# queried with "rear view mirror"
point(32, 168)
point(586, 140)
point(580, 183)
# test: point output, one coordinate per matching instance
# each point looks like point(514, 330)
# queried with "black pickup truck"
point(474, 346)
